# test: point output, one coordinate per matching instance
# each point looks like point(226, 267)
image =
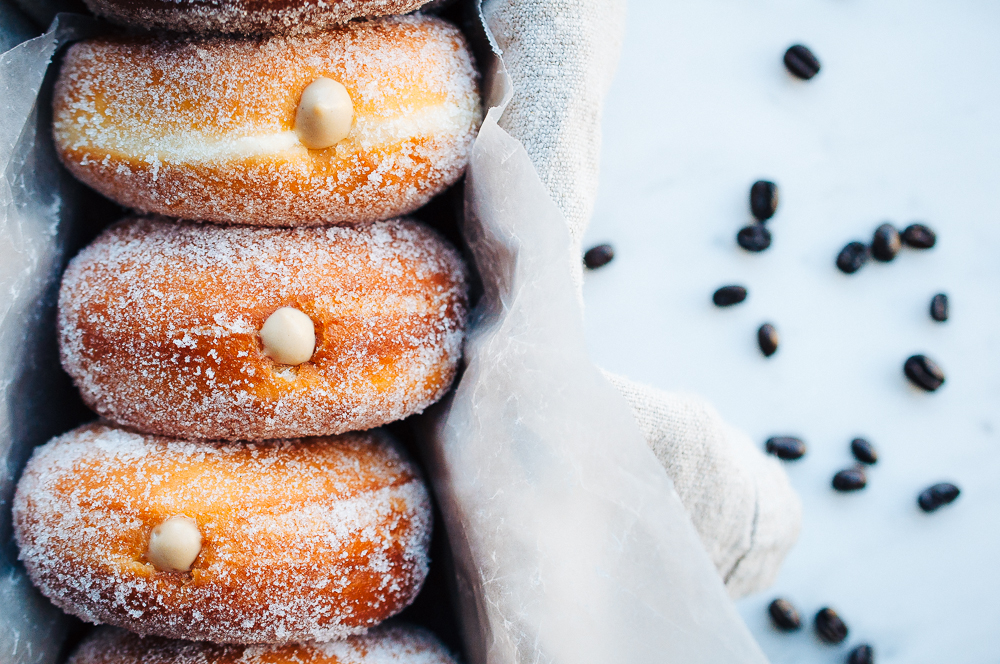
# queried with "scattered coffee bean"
point(886, 243)
point(829, 626)
point(851, 479)
point(863, 451)
point(939, 307)
point(767, 339)
point(801, 62)
point(727, 296)
point(852, 257)
point(923, 372)
point(863, 654)
point(785, 447)
point(784, 616)
point(598, 256)
point(919, 236)
point(754, 237)
point(763, 199)
point(936, 496)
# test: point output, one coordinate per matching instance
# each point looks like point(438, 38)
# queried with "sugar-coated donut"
point(162, 326)
point(385, 644)
point(316, 538)
point(245, 16)
point(206, 129)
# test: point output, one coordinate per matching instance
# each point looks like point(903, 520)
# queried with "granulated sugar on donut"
point(245, 16)
point(205, 128)
point(386, 644)
point(300, 539)
point(159, 326)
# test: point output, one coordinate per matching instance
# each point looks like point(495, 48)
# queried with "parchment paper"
point(37, 204)
point(569, 541)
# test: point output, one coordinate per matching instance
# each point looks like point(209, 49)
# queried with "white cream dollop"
point(288, 336)
point(174, 544)
point(324, 115)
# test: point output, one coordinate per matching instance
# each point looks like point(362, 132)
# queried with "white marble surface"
point(902, 124)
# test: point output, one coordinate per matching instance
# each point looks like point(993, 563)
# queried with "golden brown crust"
point(203, 129)
point(159, 321)
point(248, 17)
point(395, 643)
point(301, 539)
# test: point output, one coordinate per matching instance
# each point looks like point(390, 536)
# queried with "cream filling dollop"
point(324, 115)
point(288, 336)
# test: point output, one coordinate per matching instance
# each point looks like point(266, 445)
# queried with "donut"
point(307, 539)
point(217, 129)
point(248, 17)
point(385, 644)
point(242, 333)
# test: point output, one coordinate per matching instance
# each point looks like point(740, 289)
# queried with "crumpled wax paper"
point(36, 208)
point(569, 542)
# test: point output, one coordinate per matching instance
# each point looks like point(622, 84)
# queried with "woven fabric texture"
point(561, 56)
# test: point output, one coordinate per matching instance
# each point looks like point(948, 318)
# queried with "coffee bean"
point(936, 496)
point(851, 479)
point(863, 654)
point(785, 447)
point(939, 307)
point(852, 257)
point(801, 62)
point(598, 256)
point(863, 451)
point(923, 372)
point(886, 243)
point(754, 237)
point(767, 339)
point(727, 296)
point(763, 199)
point(829, 626)
point(919, 236)
point(784, 616)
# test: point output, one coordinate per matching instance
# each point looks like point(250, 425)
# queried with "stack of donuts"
point(246, 330)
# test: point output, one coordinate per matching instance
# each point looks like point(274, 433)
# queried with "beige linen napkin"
point(561, 55)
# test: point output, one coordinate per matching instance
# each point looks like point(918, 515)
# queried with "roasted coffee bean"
point(754, 237)
point(784, 616)
point(939, 307)
point(767, 339)
point(863, 654)
point(863, 451)
point(852, 257)
point(727, 296)
point(763, 199)
point(829, 626)
point(919, 236)
point(923, 372)
point(598, 256)
point(886, 243)
point(936, 496)
point(801, 62)
point(785, 447)
point(851, 479)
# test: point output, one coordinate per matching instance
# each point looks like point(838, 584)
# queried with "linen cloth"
point(561, 56)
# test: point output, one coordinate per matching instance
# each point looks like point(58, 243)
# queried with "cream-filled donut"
point(272, 542)
point(241, 333)
point(247, 17)
point(363, 122)
point(385, 644)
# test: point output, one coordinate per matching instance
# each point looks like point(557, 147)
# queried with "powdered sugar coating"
point(245, 16)
point(158, 326)
point(302, 539)
point(204, 128)
point(386, 644)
